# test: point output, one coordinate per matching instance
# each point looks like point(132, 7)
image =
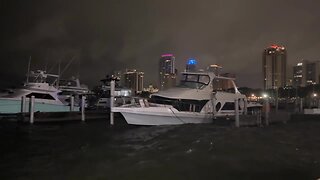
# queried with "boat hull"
point(9, 106)
point(161, 116)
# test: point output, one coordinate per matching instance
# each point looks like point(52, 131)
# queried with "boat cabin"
point(195, 90)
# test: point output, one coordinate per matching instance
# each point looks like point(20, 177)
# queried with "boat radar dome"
point(214, 68)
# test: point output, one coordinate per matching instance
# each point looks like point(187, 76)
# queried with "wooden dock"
point(104, 115)
point(62, 116)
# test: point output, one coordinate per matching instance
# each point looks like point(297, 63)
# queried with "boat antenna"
point(52, 67)
point(59, 69)
point(78, 75)
point(45, 67)
point(69, 63)
point(28, 73)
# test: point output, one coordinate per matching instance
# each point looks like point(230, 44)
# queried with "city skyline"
point(102, 37)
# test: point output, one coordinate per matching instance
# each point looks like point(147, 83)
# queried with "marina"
point(139, 90)
point(202, 128)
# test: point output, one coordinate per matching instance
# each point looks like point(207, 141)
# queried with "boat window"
point(192, 78)
point(225, 85)
point(68, 83)
point(218, 106)
point(204, 79)
point(40, 96)
point(181, 104)
point(228, 106)
point(66, 93)
point(195, 81)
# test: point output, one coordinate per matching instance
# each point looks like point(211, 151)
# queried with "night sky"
point(102, 36)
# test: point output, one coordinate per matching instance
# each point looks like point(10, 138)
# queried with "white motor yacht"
point(46, 95)
point(199, 98)
point(72, 87)
point(122, 95)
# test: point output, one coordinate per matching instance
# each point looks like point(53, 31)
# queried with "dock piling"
point(267, 109)
point(259, 118)
point(31, 109)
point(83, 101)
point(213, 106)
point(236, 107)
point(276, 100)
point(112, 87)
point(71, 103)
point(301, 105)
point(23, 104)
point(245, 106)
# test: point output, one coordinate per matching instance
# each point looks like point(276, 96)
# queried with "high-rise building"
point(306, 73)
point(274, 61)
point(312, 72)
point(167, 72)
point(191, 65)
point(297, 75)
point(134, 80)
point(289, 77)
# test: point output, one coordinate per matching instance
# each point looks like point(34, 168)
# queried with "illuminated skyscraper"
point(297, 75)
point(306, 73)
point(191, 65)
point(167, 74)
point(134, 80)
point(312, 72)
point(274, 61)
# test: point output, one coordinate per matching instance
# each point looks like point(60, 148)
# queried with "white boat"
point(46, 95)
point(72, 87)
point(122, 95)
point(200, 97)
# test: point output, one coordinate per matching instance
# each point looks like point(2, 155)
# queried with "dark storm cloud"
point(103, 36)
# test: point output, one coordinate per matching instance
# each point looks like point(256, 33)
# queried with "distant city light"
point(274, 46)
point(166, 55)
point(315, 94)
point(215, 66)
point(264, 95)
point(192, 62)
point(299, 64)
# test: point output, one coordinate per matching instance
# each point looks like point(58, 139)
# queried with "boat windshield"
point(225, 85)
point(194, 81)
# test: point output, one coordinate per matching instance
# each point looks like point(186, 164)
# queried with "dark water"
point(92, 150)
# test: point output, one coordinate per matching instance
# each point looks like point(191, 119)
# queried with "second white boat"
point(200, 97)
